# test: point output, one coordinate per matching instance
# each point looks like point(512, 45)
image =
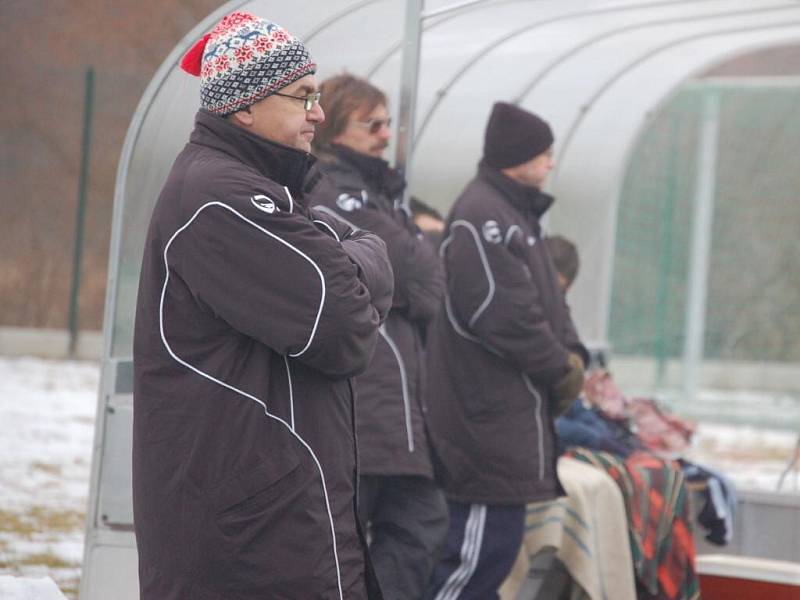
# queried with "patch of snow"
point(751, 457)
point(47, 413)
point(26, 588)
point(47, 409)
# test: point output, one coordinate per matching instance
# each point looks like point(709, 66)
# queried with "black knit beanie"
point(514, 136)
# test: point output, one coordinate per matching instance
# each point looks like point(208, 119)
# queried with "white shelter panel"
point(569, 56)
point(568, 94)
point(471, 61)
point(593, 154)
point(488, 54)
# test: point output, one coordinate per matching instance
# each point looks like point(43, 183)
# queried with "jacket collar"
point(283, 164)
point(528, 200)
point(376, 172)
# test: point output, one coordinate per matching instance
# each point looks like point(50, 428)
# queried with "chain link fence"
point(749, 334)
point(752, 311)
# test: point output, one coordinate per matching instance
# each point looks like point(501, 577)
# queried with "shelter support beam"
point(409, 77)
point(702, 222)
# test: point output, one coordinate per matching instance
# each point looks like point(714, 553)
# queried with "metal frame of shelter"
point(595, 69)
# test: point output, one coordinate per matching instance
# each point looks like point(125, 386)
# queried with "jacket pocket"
point(251, 488)
point(478, 406)
point(487, 387)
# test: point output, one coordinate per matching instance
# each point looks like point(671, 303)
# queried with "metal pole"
point(408, 86)
point(83, 181)
point(701, 242)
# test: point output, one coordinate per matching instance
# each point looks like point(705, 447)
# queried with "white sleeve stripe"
point(282, 241)
point(291, 391)
point(454, 322)
point(237, 390)
point(484, 260)
point(329, 228)
point(333, 213)
point(460, 330)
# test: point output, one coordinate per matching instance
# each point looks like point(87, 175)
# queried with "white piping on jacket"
point(291, 200)
point(285, 243)
point(470, 552)
point(291, 391)
point(237, 390)
point(329, 228)
point(490, 278)
point(448, 307)
point(539, 426)
point(403, 385)
point(336, 215)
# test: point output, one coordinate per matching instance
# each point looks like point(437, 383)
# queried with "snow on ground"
point(47, 411)
point(28, 588)
point(752, 458)
point(750, 436)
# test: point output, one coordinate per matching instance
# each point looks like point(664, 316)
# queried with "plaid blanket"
point(657, 506)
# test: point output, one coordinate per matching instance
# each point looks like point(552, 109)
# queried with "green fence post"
point(665, 255)
point(83, 181)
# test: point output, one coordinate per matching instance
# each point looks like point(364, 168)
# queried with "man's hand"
point(569, 387)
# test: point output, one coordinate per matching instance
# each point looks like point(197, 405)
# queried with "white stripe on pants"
point(470, 551)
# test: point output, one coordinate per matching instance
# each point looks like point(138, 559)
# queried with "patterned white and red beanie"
point(243, 60)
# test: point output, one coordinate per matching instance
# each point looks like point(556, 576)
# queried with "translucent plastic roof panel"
point(594, 156)
point(594, 68)
point(556, 64)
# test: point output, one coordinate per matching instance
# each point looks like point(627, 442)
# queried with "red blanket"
point(657, 506)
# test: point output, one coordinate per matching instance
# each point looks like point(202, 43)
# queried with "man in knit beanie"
point(503, 355)
point(253, 314)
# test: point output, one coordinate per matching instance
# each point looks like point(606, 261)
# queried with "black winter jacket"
point(253, 312)
point(498, 346)
point(366, 193)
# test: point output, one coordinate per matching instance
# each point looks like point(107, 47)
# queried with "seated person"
point(429, 220)
point(596, 430)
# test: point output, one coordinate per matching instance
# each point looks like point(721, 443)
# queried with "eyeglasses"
point(308, 101)
point(374, 125)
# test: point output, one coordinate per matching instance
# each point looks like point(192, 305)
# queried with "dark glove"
point(569, 387)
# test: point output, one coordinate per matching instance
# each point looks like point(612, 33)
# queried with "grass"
point(64, 573)
point(41, 519)
point(44, 559)
point(54, 470)
point(30, 524)
point(759, 452)
point(69, 587)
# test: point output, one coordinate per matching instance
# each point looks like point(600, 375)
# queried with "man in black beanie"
point(502, 355)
